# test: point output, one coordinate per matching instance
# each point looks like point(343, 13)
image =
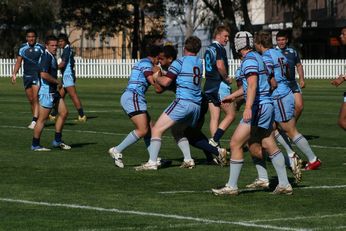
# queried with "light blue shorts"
point(224, 90)
point(68, 80)
point(133, 103)
point(262, 116)
point(184, 111)
point(284, 108)
point(49, 100)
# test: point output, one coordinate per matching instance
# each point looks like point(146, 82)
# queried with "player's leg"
point(71, 90)
point(342, 114)
point(240, 136)
point(31, 94)
point(229, 110)
point(299, 105)
point(214, 111)
point(44, 110)
point(278, 162)
point(59, 124)
point(302, 144)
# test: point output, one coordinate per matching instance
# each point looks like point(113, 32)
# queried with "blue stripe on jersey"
point(49, 65)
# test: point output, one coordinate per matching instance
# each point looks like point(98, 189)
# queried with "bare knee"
point(141, 132)
point(342, 123)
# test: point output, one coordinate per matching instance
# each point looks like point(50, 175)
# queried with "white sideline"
point(132, 212)
point(122, 134)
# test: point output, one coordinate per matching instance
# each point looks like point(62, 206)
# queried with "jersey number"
point(196, 75)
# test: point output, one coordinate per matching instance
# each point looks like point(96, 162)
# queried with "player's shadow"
point(80, 145)
point(311, 137)
point(52, 124)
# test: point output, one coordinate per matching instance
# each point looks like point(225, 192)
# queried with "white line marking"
point(299, 218)
point(132, 212)
point(122, 134)
point(249, 190)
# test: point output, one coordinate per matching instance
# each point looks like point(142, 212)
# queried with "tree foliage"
point(109, 17)
point(18, 15)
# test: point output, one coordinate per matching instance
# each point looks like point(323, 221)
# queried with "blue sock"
point(80, 112)
point(35, 141)
point(34, 118)
point(58, 136)
point(278, 162)
point(205, 146)
point(218, 134)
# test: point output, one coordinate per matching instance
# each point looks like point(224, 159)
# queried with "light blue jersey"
point(138, 82)
point(68, 72)
point(187, 72)
point(277, 66)
point(253, 64)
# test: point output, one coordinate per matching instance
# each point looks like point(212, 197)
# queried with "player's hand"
point(247, 114)
point(229, 80)
point(14, 79)
point(228, 99)
point(302, 84)
point(336, 82)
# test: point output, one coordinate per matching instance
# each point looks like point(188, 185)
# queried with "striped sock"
point(278, 162)
point(304, 146)
point(131, 138)
point(234, 172)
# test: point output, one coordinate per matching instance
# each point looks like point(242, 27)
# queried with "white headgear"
point(243, 39)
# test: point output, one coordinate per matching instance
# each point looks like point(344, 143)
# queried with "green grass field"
point(81, 189)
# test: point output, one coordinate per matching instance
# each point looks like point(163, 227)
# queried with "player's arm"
point(250, 95)
point(16, 68)
point(46, 76)
point(300, 71)
point(236, 94)
point(221, 67)
point(63, 59)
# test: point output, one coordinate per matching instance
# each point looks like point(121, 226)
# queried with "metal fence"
point(121, 68)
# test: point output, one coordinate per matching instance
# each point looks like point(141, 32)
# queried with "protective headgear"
point(242, 40)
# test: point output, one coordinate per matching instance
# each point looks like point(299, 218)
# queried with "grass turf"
point(81, 189)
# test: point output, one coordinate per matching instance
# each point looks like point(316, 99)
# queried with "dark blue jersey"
point(293, 59)
point(31, 56)
point(49, 65)
point(214, 52)
point(68, 58)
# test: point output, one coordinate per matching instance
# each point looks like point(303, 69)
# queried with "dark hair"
point(63, 37)
point(51, 38)
point(282, 33)
point(264, 38)
point(153, 50)
point(169, 51)
point(219, 29)
point(193, 44)
point(30, 30)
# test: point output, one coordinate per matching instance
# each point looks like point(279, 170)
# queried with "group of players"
point(43, 89)
point(266, 81)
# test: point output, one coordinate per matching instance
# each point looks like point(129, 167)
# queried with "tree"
point(189, 15)
point(299, 15)
point(18, 15)
point(109, 17)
